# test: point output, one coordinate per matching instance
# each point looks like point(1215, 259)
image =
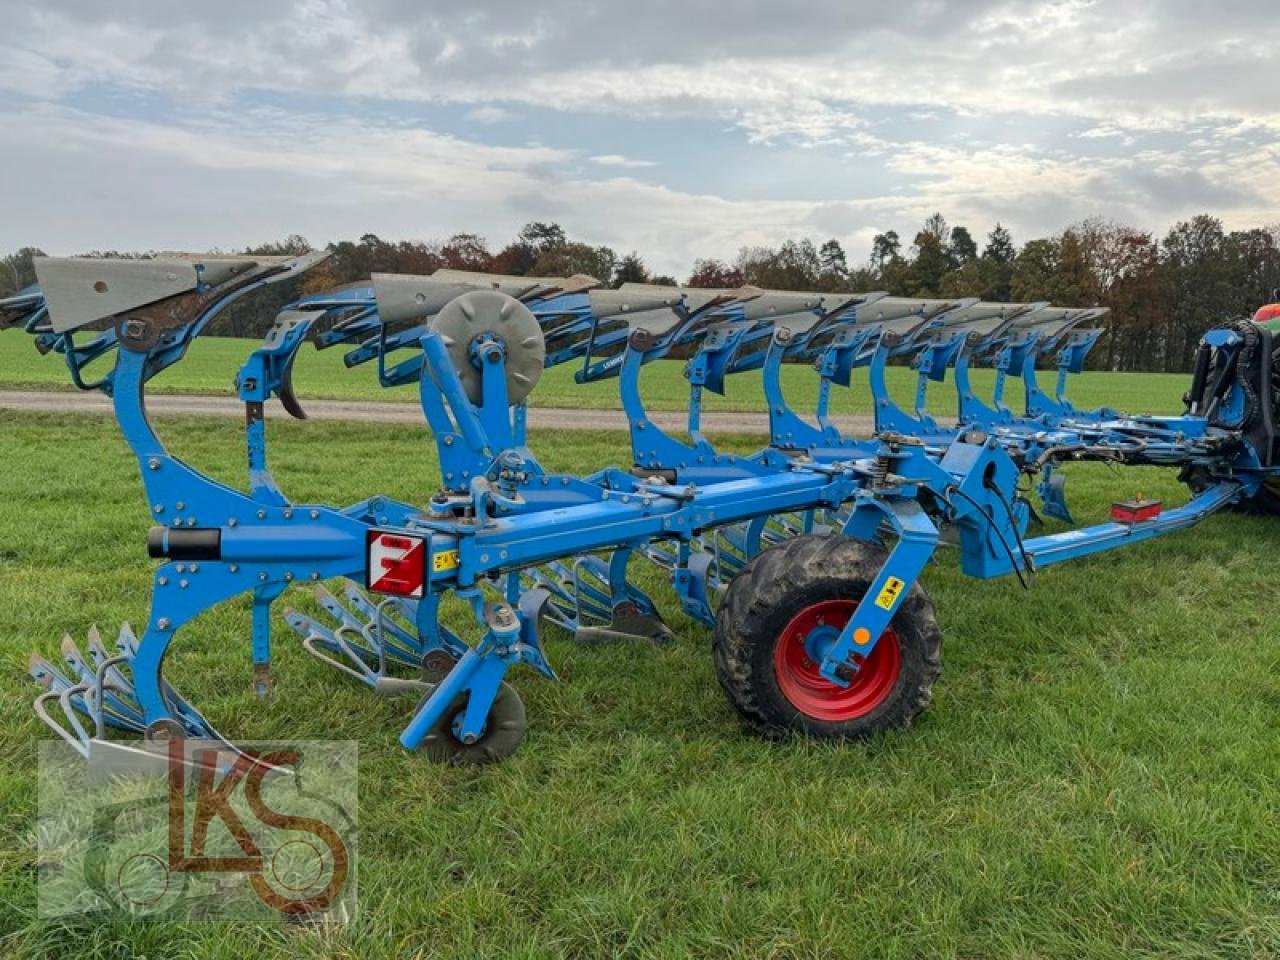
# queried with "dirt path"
point(360, 411)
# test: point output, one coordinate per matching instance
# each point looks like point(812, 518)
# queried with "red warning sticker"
point(397, 563)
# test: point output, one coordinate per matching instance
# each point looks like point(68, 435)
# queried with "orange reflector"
point(862, 636)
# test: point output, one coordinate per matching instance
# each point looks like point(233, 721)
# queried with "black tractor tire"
point(779, 592)
point(1264, 503)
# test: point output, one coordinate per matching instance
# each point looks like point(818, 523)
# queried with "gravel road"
point(359, 411)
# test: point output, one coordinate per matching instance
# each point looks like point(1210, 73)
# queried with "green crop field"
point(1097, 777)
point(212, 362)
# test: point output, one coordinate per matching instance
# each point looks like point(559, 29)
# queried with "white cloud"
point(617, 160)
point(227, 182)
point(1160, 110)
point(780, 70)
point(489, 114)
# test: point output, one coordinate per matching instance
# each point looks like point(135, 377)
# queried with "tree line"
point(1163, 293)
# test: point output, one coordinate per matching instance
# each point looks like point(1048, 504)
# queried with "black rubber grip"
point(199, 543)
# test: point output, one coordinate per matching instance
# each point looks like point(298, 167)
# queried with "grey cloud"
point(672, 56)
point(1246, 81)
point(1190, 190)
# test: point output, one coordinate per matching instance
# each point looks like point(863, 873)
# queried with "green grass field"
point(1097, 776)
point(212, 363)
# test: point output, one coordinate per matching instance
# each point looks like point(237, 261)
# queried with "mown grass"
point(1097, 777)
point(213, 361)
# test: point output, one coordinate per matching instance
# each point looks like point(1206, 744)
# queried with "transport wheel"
point(784, 607)
point(503, 731)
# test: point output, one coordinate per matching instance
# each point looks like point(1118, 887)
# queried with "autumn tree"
point(466, 251)
point(714, 274)
point(543, 236)
point(1161, 296)
point(793, 266)
point(516, 258)
point(573, 257)
point(938, 228)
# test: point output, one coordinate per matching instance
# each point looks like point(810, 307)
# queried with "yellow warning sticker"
point(444, 560)
point(889, 594)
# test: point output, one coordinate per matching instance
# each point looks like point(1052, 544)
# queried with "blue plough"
point(804, 556)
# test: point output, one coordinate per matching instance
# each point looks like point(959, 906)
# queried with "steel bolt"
point(288, 514)
point(182, 584)
point(315, 514)
point(288, 575)
point(181, 568)
point(315, 574)
point(153, 464)
point(180, 505)
point(232, 521)
point(262, 514)
point(163, 623)
point(158, 508)
point(162, 580)
point(194, 567)
point(262, 575)
point(234, 568)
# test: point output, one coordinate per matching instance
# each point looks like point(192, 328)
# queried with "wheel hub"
point(798, 656)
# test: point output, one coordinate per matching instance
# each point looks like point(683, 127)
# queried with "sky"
point(678, 129)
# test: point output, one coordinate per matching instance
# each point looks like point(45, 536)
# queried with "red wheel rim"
point(796, 663)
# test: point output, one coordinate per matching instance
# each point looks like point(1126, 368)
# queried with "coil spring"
point(880, 471)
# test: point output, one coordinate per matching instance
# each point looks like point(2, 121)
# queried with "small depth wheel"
point(503, 731)
point(785, 608)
